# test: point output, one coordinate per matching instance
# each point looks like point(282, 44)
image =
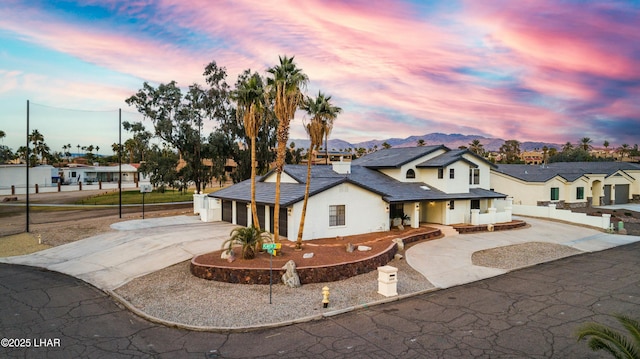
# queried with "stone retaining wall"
point(318, 274)
point(483, 228)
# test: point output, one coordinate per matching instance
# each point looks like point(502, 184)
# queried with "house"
point(320, 157)
point(15, 175)
point(568, 184)
point(75, 173)
point(426, 184)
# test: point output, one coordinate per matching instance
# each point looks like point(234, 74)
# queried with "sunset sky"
point(530, 70)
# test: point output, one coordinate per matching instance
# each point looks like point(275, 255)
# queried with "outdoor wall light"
point(289, 210)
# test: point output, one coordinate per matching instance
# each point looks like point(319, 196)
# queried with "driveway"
point(446, 262)
point(136, 248)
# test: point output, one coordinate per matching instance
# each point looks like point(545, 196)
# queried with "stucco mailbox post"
point(388, 281)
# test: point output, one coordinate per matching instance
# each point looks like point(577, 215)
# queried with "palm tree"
point(476, 147)
point(321, 112)
point(250, 97)
point(605, 338)
point(250, 238)
point(567, 147)
point(585, 143)
point(624, 149)
point(285, 88)
point(2, 135)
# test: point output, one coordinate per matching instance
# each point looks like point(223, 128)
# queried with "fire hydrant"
point(325, 297)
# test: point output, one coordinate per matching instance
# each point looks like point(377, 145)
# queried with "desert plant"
point(617, 344)
point(249, 238)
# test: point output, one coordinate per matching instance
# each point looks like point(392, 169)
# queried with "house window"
point(440, 172)
point(475, 204)
point(474, 176)
point(580, 193)
point(452, 173)
point(411, 173)
point(555, 193)
point(73, 174)
point(337, 215)
point(452, 205)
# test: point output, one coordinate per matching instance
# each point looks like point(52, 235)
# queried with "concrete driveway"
point(446, 262)
point(136, 248)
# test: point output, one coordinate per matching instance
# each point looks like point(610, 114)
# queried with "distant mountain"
point(453, 140)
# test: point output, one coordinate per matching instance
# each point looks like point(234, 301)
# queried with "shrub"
point(249, 238)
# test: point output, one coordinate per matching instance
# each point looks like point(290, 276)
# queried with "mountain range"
point(453, 141)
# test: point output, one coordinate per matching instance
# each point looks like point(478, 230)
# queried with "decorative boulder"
point(290, 277)
point(227, 254)
point(364, 248)
point(400, 243)
point(307, 255)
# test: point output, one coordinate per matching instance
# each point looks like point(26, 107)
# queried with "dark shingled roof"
point(323, 178)
point(570, 171)
point(395, 157)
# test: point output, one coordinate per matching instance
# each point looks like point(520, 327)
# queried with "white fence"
point(563, 215)
point(67, 188)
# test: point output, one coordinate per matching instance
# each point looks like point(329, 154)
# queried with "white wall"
point(563, 215)
point(16, 175)
point(365, 213)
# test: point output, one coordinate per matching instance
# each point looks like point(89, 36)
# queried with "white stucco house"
point(16, 175)
point(429, 184)
point(86, 174)
point(568, 184)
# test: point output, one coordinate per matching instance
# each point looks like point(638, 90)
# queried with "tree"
point(161, 167)
point(138, 145)
point(585, 143)
point(285, 89)
point(624, 150)
point(249, 238)
point(250, 98)
point(2, 135)
point(386, 145)
point(510, 151)
point(41, 151)
point(606, 144)
point(421, 143)
point(476, 147)
point(322, 112)
point(567, 147)
point(605, 338)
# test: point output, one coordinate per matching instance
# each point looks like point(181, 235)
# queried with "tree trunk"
point(304, 203)
point(254, 208)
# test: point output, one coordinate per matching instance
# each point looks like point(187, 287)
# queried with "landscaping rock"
point(290, 277)
point(350, 247)
point(364, 248)
point(307, 255)
point(400, 243)
point(398, 256)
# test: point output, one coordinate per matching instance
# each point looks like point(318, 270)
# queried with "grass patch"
point(135, 197)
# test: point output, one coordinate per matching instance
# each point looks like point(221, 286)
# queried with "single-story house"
point(92, 174)
point(432, 184)
point(568, 184)
point(16, 175)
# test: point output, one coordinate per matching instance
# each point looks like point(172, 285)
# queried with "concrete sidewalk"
point(136, 248)
point(446, 262)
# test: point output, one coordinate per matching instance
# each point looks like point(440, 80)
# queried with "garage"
point(621, 194)
point(227, 211)
point(261, 209)
point(241, 213)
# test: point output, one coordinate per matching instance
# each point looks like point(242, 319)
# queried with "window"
point(73, 174)
point(474, 176)
point(475, 204)
point(411, 173)
point(452, 205)
point(555, 193)
point(580, 193)
point(336, 215)
point(440, 172)
point(452, 173)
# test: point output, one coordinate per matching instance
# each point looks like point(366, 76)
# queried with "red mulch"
point(326, 251)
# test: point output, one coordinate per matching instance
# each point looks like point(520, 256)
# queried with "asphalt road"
point(530, 313)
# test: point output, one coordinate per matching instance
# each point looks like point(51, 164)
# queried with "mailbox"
point(388, 281)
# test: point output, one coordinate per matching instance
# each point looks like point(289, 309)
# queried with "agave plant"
point(249, 238)
point(617, 344)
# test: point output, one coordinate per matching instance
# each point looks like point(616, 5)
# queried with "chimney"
point(341, 167)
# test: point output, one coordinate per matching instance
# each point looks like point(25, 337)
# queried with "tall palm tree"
point(322, 112)
point(604, 338)
point(285, 87)
point(2, 135)
point(585, 143)
point(250, 97)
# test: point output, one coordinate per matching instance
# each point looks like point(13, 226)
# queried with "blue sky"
point(543, 70)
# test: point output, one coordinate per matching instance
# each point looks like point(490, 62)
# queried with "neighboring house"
point(427, 184)
point(532, 157)
point(92, 174)
point(320, 157)
point(568, 184)
point(16, 175)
